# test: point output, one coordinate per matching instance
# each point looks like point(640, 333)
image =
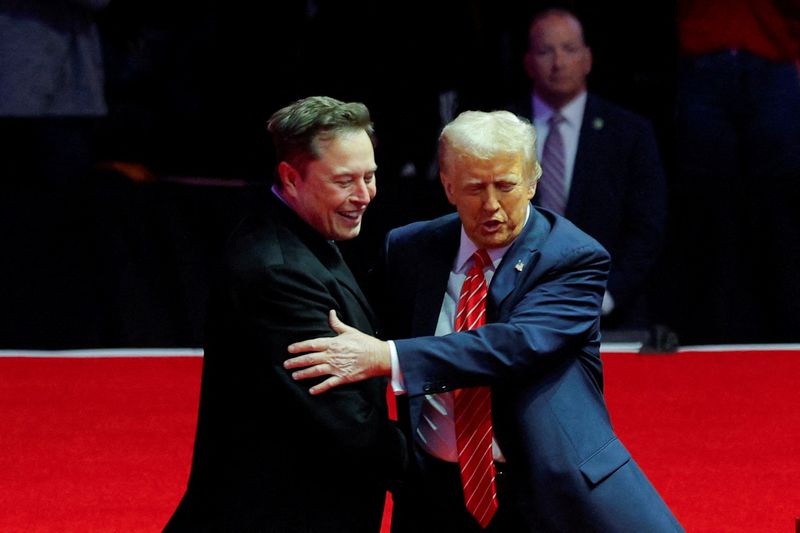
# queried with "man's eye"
point(506, 187)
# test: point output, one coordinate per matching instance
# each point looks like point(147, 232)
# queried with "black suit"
point(268, 455)
point(618, 196)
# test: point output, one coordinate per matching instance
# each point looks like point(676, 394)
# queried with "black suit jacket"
point(618, 196)
point(268, 455)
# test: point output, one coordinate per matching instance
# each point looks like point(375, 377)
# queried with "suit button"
point(427, 388)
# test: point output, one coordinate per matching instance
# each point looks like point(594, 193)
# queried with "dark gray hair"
point(298, 128)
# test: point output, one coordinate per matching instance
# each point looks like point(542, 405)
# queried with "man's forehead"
point(503, 163)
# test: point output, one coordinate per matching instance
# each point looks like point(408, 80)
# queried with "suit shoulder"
point(574, 241)
point(618, 116)
point(259, 245)
point(415, 232)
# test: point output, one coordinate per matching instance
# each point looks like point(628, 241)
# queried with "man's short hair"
point(483, 135)
point(298, 128)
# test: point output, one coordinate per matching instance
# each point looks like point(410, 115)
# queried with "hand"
point(349, 357)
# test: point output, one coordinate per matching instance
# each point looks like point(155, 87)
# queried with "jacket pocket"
point(607, 460)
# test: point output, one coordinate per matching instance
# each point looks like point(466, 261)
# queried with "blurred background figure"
point(738, 170)
point(51, 102)
point(601, 163)
point(51, 88)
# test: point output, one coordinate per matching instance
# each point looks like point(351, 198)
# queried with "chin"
point(347, 235)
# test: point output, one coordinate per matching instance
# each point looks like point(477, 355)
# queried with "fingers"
point(315, 367)
point(303, 360)
point(312, 372)
point(337, 325)
point(311, 345)
point(325, 386)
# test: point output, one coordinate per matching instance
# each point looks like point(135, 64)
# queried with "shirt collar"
point(466, 248)
point(277, 193)
point(572, 112)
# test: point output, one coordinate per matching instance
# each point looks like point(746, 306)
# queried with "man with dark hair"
point(269, 457)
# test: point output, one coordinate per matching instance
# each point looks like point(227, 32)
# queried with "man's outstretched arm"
point(349, 357)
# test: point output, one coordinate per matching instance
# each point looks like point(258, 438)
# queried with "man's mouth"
point(492, 225)
point(354, 216)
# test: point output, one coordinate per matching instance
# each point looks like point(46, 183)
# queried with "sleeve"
point(289, 304)
point(554, 314)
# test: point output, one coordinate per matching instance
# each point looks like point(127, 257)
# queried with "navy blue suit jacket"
point(618, 196)
point(540, 353)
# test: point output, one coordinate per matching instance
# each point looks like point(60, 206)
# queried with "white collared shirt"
point(443, 445)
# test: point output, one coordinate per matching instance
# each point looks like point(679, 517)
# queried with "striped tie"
point(552, 187)
point(472, 408)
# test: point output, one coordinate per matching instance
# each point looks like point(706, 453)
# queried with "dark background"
point(115, 261)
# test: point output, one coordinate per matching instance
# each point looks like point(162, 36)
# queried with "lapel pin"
point(519, 266)
point(598, 123)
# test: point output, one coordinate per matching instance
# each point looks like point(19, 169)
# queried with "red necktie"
point(473, 409)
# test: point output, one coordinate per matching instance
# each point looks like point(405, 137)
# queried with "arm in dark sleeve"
point(290, 305)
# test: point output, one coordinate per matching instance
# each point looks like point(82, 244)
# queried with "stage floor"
point(101, 440)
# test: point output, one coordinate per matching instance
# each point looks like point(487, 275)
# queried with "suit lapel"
point(591, 128)
point(345, 277)
point(327, 252)
point(522, 256)
point(437, 257)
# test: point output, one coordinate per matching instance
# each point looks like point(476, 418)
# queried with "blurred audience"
point(51, 89)
point(51, 102)
point(738, 179)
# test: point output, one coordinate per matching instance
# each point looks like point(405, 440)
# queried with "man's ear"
point(289, 177)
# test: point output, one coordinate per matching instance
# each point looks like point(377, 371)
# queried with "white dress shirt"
point(436, 432)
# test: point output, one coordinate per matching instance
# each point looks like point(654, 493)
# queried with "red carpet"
point(716, 432)
point(104, 444)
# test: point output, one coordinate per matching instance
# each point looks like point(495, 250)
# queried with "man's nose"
point(361, 192)
point(490, 202)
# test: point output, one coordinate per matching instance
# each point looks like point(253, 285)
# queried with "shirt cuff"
point(608, 304)
point(398, 384)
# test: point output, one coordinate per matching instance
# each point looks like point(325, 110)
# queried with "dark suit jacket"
point(269, 456)
point(540, 354)
point(618, 196)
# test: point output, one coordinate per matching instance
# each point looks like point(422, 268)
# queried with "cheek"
point(516, 208)
point(468, 213)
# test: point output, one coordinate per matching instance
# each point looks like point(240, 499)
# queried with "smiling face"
point(335, 189)
point(558, 61)
point(491, 197)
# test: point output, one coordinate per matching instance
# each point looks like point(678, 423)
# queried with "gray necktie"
point(552, 190)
